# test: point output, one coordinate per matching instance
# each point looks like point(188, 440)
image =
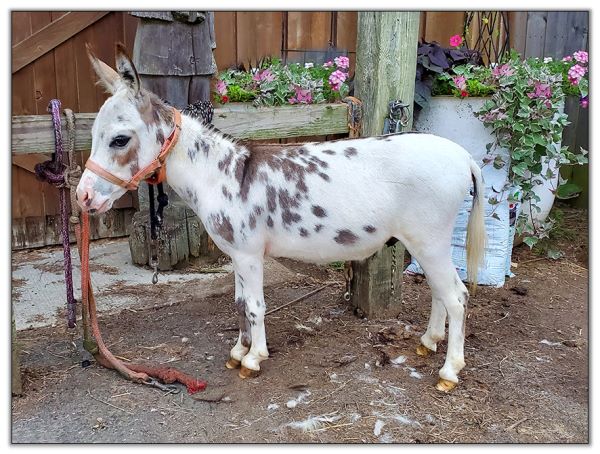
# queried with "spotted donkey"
point(318, 202)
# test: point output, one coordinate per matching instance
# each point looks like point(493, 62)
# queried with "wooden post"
point(386, 59)
point(15, 369)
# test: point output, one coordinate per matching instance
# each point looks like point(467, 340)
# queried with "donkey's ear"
point(126, 70)
point(107, 76)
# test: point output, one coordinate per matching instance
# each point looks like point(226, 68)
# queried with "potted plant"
point(519, 105)
point(272, 83)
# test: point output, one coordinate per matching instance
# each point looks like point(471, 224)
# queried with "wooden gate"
point(49, 61)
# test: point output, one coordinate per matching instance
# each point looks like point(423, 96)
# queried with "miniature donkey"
point(316, 202)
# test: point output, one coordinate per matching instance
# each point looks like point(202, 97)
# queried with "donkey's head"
point(127, 134)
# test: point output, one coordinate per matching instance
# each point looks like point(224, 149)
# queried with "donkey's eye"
point(119, 141)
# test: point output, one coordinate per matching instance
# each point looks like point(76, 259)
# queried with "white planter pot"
point(454, 119)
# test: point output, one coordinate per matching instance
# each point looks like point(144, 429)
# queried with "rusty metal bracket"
point(354, 116)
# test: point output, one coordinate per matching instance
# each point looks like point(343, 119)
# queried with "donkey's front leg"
point(249, 271)
point(240, 349)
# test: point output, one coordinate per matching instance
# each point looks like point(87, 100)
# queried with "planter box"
point(454, 119)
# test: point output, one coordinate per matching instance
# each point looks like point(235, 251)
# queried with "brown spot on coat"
point(252, 221)
point(350, 151)
point(318, 161)
point(319, 211)
point(318, 227)
point(222, 226)
point(226, 192)
point(345, 236)
point(130, 157)
point(329, 152)
point(226, 162)
point(303, 232)
point(270, 221)
point(160, 137)
point(369, 229)
point(271, 198)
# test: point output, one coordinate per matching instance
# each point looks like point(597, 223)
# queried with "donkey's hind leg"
point(450, 293)
point(436, 328)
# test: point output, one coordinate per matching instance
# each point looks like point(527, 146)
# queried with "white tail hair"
point(476, 236)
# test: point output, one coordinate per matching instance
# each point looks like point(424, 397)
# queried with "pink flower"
point(342, 62)
point(502, 70)
point(581, 56)
point(584, 102)
point(221, 87)
point(327, 64)
point(264, 76)
point(567, 58)
point(460, 82)
point(456, 40)
point(302, 96)
point(540, 91)
point(336, 79)
point(575, 73)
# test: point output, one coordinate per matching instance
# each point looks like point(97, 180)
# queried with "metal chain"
point(348, 275)
point(398, 117)
point(392, 285)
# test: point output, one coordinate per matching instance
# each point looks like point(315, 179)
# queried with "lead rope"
point(56, 173)
point(67, 178)
point(204, 111)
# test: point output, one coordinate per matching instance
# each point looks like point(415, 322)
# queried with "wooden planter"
point(454, 119)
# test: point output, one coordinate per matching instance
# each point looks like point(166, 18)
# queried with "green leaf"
point(568, 191)
point(520, 169)
point(530, 241)
point(554, 254)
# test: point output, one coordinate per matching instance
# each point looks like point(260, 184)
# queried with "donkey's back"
point(364, 192)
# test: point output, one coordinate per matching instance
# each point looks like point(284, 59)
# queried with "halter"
point(153, 173)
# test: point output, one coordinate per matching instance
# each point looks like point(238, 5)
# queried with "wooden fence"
point(49, 61)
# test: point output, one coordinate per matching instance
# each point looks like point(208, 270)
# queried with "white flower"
point(308, 65)
point(547, 59)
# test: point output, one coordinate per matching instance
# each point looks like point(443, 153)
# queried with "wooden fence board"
point(308, 30)
point(536, 31)
point(51, 35)
point(226, 38)
point(517, 23)
point(34, 133)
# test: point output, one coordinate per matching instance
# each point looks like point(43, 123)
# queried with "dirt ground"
point(526, 379)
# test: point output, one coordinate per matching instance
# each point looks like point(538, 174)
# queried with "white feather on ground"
point(314, 422)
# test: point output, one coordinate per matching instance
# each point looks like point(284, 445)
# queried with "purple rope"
point(53, 172)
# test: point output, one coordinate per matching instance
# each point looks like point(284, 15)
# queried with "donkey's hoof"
point(232, 363)
point(248, 373)
point(423, 351)
point(445, 385)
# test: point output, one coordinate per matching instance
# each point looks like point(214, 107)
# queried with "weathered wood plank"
point(385, 70)
point(34, 133)
point(51, 36)
point(536, 32)
point(517, 23)
point(15, 367)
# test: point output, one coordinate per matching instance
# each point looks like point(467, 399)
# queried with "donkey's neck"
point(202, 162)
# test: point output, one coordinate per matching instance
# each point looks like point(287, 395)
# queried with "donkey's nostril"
point(87, 201)
point(92, 211)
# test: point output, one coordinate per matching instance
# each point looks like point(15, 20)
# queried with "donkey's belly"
point(324, 250)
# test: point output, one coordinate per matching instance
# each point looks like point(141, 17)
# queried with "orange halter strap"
point(153, 173)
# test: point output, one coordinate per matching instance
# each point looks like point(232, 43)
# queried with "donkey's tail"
point(476, 237)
